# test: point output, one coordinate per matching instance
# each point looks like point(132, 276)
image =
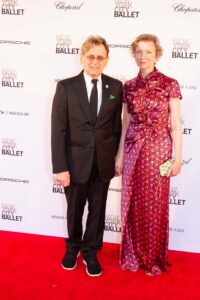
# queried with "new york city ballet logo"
point(65, 6)
point(182, 8)
point(174, 197)
point(123, 9)
point(9, 213)
point(9, 147)
point(112, 223)
point(9, 8)
point(57, 188)
point(9, 79)
point(64, 45)
point(182, 49)
point(185, 129)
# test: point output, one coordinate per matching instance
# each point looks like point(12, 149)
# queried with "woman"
point(151, 125)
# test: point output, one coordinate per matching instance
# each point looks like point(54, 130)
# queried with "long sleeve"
point(59, 130)
point(118, 121)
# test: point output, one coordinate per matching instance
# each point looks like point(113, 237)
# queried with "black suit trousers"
point(95, 192)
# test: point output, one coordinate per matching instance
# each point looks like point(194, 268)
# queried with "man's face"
point(94, 61)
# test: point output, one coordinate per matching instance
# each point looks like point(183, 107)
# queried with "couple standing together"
point(90, 146)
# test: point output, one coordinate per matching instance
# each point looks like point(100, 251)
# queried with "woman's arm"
point(120, 153)
point(175, 121)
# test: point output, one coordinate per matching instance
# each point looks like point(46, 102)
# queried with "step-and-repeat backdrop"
point(39, 45)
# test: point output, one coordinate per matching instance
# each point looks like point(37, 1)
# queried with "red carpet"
point(30, 269)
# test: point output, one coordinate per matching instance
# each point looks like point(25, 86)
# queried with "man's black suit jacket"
point(74, 137)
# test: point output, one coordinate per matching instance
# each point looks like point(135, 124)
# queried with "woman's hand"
point(175, 169)
point(118, 164)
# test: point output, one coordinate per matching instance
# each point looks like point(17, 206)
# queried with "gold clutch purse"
point(164, 168)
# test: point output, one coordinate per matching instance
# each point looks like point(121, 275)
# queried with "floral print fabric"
point(145, 194)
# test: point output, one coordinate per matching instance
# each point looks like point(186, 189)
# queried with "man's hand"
point(63, 178)
point(118, 164)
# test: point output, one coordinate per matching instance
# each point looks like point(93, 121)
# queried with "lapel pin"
point(112, 97)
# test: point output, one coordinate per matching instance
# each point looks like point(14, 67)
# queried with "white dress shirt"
point(89, 86)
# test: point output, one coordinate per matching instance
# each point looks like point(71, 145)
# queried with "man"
point(86, 127)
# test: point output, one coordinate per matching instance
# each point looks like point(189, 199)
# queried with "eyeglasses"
point(99, 58)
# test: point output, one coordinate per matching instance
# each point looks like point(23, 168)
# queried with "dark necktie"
point(94, 100)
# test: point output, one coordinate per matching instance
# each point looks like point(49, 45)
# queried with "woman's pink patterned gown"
point(145, 194)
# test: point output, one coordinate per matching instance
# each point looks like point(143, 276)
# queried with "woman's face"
point(145, 56)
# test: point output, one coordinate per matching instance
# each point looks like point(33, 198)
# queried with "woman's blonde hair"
point(148, 38)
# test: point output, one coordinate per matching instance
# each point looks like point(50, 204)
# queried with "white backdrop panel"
point(30, 32)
